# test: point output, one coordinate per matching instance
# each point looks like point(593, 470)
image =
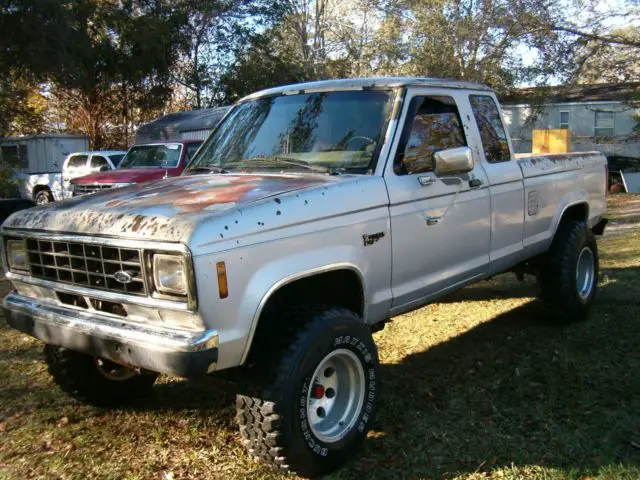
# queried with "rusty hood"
point(166, 210)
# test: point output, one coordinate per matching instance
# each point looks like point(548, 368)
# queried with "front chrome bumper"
point(159, 349)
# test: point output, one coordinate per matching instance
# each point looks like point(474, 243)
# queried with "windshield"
point(334, 130)
point(162, 156)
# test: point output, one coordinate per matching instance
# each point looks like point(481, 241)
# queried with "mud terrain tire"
point(569, 272)
point(282, 416)
point(84, 378)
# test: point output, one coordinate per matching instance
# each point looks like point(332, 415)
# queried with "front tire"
point(569, 273)
point(312, 412)
point(43, 197)
point(96, 381)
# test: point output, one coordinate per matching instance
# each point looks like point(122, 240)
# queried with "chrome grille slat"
point(87, 189)
point(85, 264)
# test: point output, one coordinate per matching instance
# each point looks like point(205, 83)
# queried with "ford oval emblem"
point(123, 276)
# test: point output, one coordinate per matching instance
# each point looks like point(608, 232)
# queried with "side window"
point(77, 161)
point(605, 124)
point(14, 156)
point(433, 124)
point(192, 148)
point(492, 132)
point(97, 162)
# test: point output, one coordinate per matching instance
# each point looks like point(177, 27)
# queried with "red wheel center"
point(318, 391)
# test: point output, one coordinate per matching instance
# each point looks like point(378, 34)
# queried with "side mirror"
point(453, 161)
point(105, 168)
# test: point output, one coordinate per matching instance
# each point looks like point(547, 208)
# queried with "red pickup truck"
point(142, 163)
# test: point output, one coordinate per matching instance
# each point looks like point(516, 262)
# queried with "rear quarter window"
point(492, 131)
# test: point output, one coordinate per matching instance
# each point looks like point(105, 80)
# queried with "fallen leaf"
point(63, 422)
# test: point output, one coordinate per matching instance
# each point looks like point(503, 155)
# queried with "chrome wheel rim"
point(42, 199)
point(114, 371)
point(336, 395)
point(585, 272)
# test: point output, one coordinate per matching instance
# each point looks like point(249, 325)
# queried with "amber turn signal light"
point(223, 288)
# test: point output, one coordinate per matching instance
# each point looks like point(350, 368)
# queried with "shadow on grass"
point(518, 390)
point(207, 397)
point(490, 290)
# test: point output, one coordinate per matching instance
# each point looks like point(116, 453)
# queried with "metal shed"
point(41, 153)
point(191, 125)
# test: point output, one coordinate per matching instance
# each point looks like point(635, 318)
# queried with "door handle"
point(475, 182)
point(433, 220)
point(425, 181)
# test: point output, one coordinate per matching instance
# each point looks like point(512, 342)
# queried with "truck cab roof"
point(366, 84)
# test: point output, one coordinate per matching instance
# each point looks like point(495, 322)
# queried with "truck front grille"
point(87, 265)
point(86, 189)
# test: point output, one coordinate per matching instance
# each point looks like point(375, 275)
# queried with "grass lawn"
point(484, 384)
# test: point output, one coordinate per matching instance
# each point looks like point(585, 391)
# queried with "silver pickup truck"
point(311, 215)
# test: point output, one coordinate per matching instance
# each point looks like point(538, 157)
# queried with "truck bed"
point(576, 178)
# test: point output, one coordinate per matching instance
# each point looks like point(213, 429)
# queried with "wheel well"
point(39, 188)
point(578, 212)
point(336, 288)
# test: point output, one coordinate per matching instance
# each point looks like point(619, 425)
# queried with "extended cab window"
point(492, 132)
point(433, 124)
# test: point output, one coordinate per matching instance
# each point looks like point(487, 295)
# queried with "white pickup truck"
point(311, 215)
point(45, 188)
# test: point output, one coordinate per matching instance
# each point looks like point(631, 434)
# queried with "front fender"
point(273, 276)
point(252, 283)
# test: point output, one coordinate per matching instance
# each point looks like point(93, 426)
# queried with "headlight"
point(17, 255)
point(169, 274)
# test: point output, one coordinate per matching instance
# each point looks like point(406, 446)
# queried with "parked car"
point(312, 214)
point(45, 188)
point(142, 163)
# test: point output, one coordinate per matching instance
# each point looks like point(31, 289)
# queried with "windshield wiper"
point(276, 160)
point(207, 169)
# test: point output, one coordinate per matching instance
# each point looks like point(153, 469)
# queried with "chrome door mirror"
point(453, 161)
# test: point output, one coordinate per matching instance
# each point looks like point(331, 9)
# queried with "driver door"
point(440, 225)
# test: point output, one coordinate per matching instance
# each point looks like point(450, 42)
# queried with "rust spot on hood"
point(166, 210)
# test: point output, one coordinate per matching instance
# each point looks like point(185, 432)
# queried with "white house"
point(600, 117)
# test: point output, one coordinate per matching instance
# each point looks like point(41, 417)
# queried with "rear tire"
point(569, 272)
point(311, 411)
point(43, 197)
point(96, 381)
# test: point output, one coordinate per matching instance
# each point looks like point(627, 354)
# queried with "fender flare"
point(584, 201)
point(292, 278)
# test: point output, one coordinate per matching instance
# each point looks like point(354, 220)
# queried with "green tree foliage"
point(600, 62)
point(104, 59)
point(215, 34)
point(267, 61)
point(22, 107)
point(105, 66)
